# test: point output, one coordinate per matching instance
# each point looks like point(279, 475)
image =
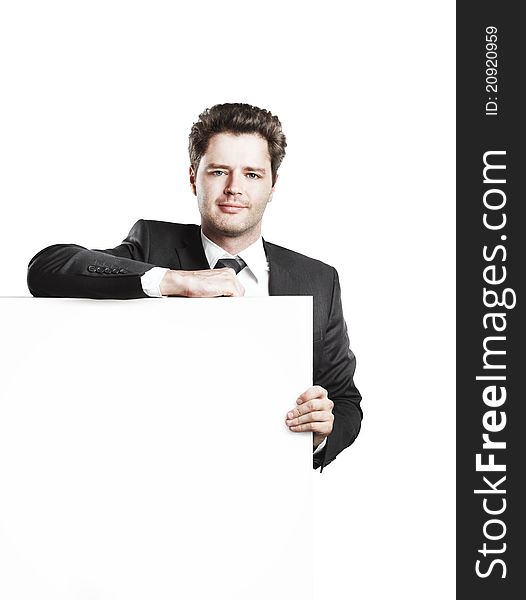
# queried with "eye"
point(217, 173)
point(253, 176)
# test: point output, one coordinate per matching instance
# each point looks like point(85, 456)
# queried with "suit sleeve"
point(335, 374)
point(71, 271)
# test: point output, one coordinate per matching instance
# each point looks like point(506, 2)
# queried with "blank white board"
point(143, 450)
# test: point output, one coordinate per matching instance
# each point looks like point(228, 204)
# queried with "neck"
point(233, 244)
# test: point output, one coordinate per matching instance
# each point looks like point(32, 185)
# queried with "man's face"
point(233, 185)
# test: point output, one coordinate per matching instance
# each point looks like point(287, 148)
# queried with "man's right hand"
point(209, 283)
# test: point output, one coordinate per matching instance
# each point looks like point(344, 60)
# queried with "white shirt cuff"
point(320, 447)
point(151, 281)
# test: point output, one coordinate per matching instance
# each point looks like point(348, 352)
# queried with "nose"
point(234, 184)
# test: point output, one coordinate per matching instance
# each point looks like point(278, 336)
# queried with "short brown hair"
point(237, 118)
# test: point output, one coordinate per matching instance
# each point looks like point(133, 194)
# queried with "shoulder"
point(299, 261)
point(146, 228)
point(165, 226)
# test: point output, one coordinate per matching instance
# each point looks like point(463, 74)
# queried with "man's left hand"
point(312, 413)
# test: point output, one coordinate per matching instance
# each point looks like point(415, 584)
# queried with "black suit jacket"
point(67, 270)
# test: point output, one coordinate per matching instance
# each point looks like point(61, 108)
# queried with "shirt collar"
point(254, 255)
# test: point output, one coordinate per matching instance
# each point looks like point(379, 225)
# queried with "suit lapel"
point(190, 251)
point(286, 279)
point(282, 279)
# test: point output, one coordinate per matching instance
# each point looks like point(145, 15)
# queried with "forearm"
point(345, 428)
point(335, 372)
point(71, 271)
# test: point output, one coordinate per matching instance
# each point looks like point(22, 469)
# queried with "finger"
point(229, 291)
point(315, 391)
point(216, 291)
point(324, 428)
point(223, 283)
point(233, 286)
point(310, 406)
point(317, 415)
point(234, 291)
point(240, 288)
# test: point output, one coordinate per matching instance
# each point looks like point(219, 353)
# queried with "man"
point(235, 152)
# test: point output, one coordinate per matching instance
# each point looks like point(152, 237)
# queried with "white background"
point(97, 102)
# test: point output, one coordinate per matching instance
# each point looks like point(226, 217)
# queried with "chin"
point(231, 229)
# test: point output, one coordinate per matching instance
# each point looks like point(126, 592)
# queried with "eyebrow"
point(220, 166)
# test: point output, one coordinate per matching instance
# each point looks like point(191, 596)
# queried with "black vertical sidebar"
point(491, 345)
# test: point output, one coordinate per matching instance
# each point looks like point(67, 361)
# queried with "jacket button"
point(107, 270)
point(100, 270)
point(115, 271)
point(122, 271)
point(92, 269)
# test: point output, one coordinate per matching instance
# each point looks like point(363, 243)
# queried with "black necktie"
point(238, 264)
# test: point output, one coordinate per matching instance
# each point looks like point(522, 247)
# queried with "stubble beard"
point(224, 226)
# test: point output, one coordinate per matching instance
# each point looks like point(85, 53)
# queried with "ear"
point(192, 180)
point(272, 190)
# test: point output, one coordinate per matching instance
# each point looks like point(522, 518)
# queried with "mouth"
point(231, 207)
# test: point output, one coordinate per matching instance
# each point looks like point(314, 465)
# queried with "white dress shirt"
point(254, 277)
